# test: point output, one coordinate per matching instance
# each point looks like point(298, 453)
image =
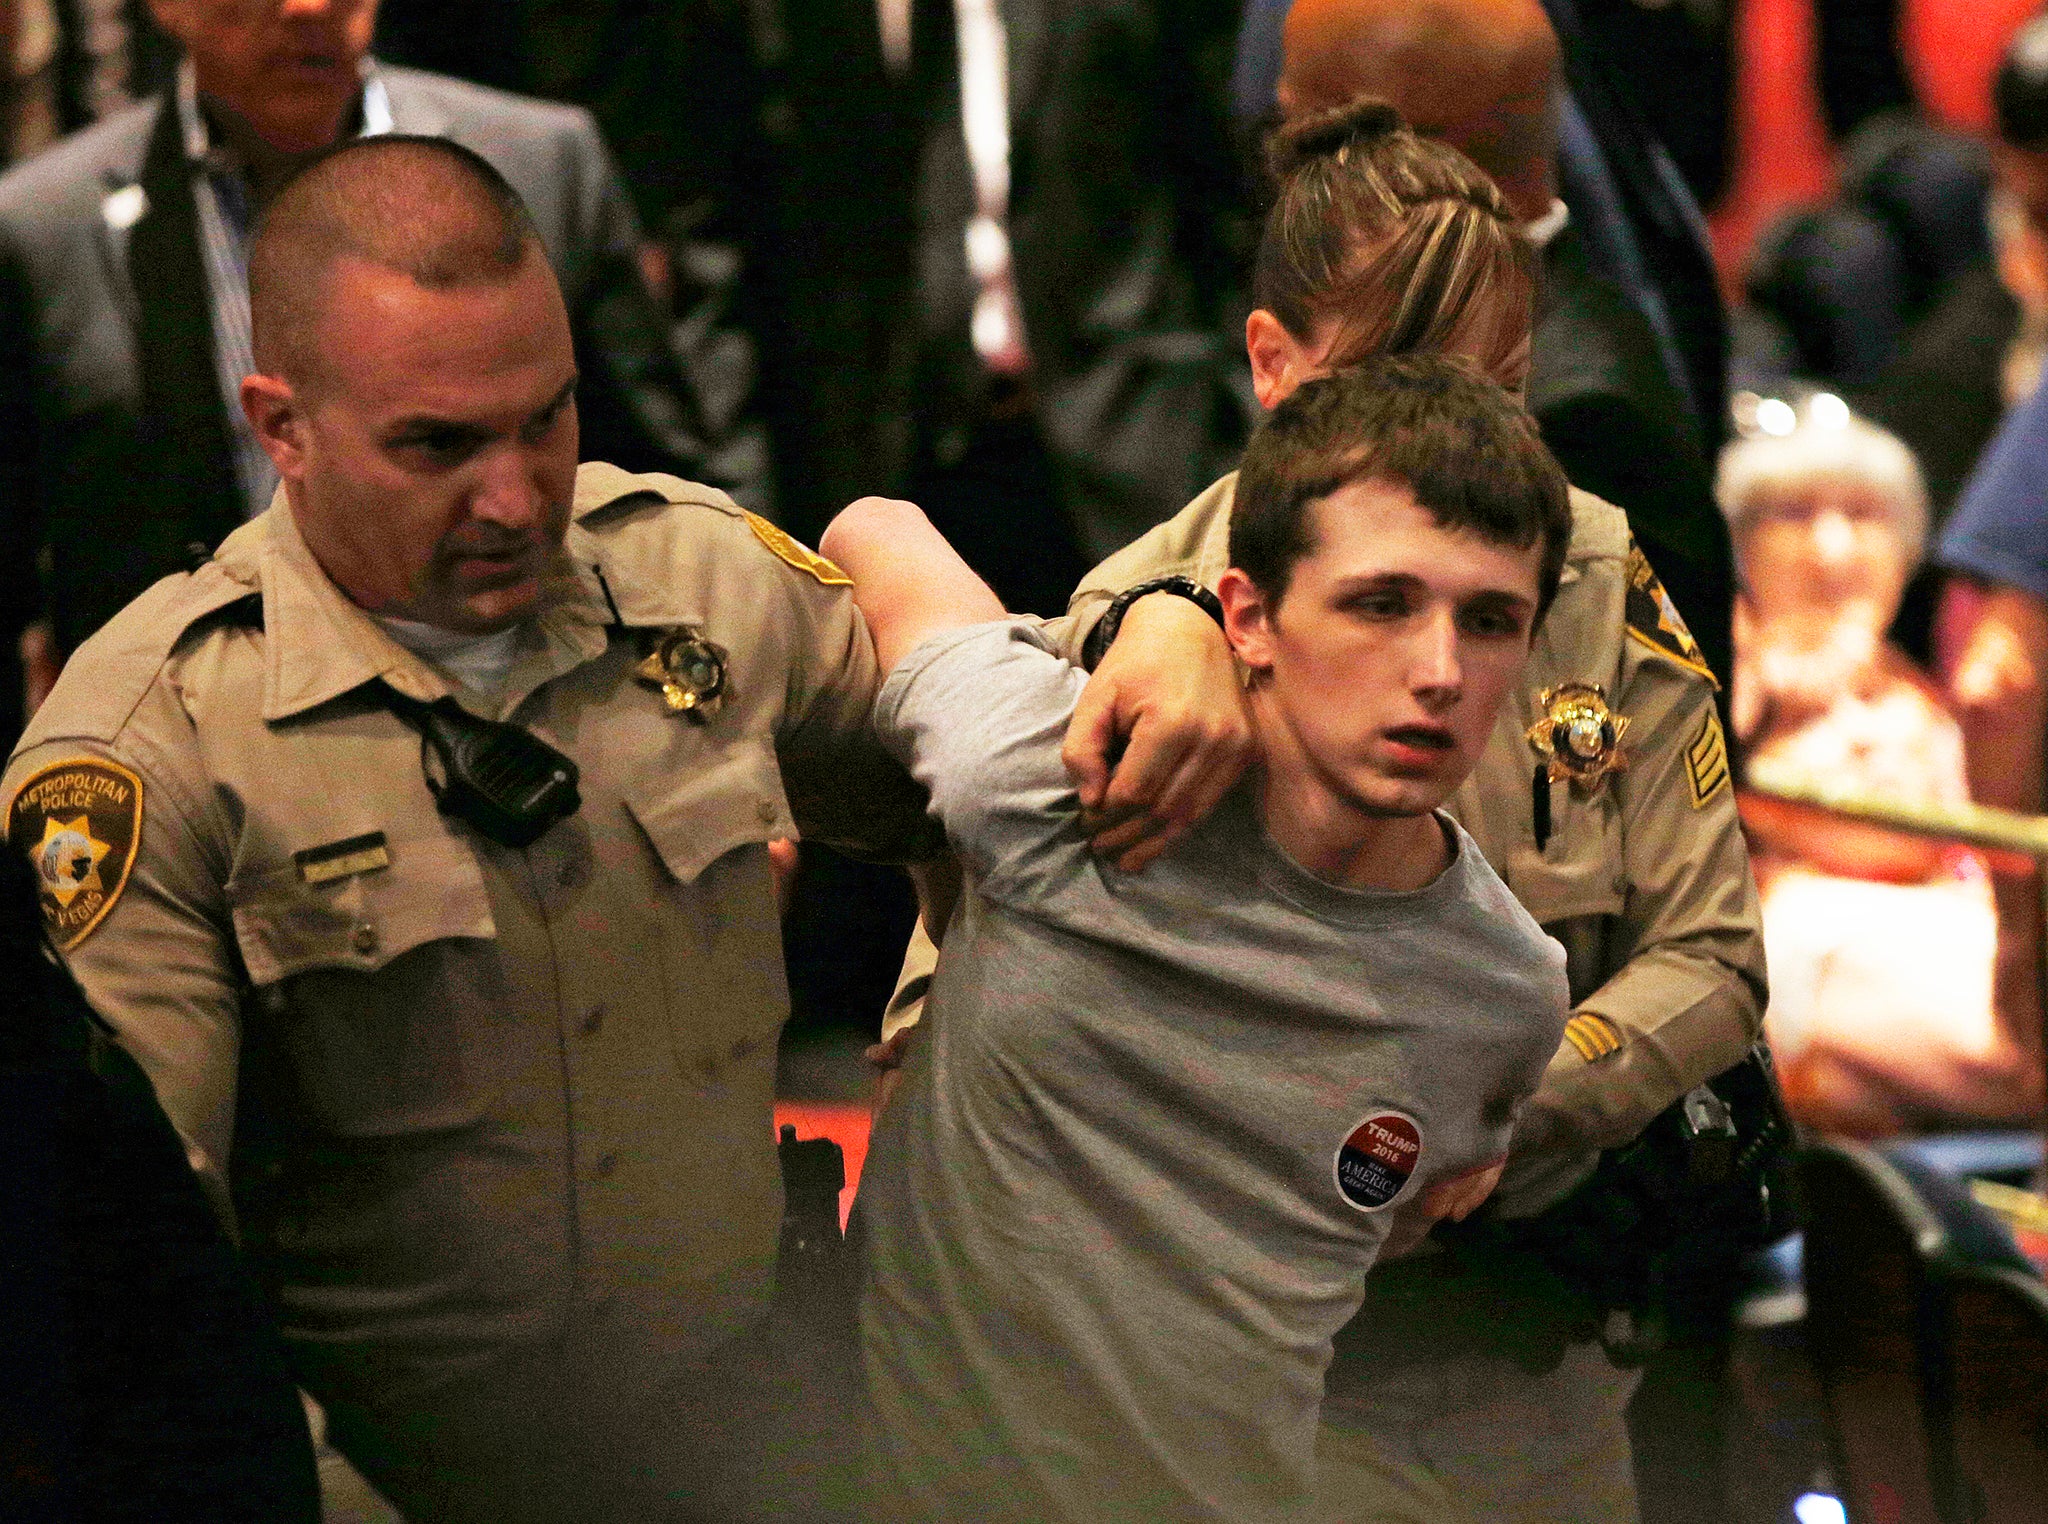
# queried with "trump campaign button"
point(1376, 1159)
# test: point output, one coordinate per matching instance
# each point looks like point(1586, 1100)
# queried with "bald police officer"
point(416, 846)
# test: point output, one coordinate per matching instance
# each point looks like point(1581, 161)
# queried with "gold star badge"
point(1578, 735)
point(69, 858)
point(689, 670)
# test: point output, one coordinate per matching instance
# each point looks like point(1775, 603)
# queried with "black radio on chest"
point(500, 778)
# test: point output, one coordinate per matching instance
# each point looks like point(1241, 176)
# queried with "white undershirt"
point(481, 663)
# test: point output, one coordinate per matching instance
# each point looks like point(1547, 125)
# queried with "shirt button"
point(592, 1020)
point(365, 939)
point(606, 1163)
point(766, 811)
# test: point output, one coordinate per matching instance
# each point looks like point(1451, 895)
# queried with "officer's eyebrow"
point(418, 428)
point(560, 400)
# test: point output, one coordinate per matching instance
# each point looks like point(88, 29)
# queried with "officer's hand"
point(1454, 1199)
point(1161, 731)
point(1460, 1196)
point(886, 1059)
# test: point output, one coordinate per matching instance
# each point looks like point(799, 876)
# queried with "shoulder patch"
point(1706, 761)
point(801, 557)
point(1653, 619)
point(80, 822)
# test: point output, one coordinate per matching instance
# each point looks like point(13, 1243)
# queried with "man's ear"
point(1247, 619)
point(273, 411)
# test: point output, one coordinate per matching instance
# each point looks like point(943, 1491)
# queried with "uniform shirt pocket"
point(380, 993)
point(713, 924)
point(727, 800)
point(431, 889)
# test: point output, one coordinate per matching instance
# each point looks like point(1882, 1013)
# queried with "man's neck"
point(1342, 845)
point(264, 165)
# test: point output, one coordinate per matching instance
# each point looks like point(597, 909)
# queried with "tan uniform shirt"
point(476, 1097)
point(1645, 878)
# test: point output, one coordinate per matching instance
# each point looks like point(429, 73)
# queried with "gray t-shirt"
point(1151, 1132)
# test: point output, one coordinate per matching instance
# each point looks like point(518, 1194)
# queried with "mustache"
point(488, 547)
point(545, 547)
point(492, 541)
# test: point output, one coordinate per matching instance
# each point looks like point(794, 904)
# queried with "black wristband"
point(1099, 640)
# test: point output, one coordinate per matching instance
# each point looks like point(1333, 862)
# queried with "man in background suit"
point(1484, 76)
point(1087, 146)
point(122, 253)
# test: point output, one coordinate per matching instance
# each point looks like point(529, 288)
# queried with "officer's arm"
point(159, 965)
point(844, 789)
point(1688, 1000)
point(1160, 733)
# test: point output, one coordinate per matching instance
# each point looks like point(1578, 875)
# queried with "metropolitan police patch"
point(1654, 620)
point(80, 822)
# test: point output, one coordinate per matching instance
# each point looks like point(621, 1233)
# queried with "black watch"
point(1099, 640)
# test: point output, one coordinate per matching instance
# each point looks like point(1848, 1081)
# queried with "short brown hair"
point(1397, 236)
point(1467, 450)
point(433, 210)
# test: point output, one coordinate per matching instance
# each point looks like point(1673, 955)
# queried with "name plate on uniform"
point(340, 859)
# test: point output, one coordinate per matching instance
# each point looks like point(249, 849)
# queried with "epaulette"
point(605, 494)
point(602, 489)
point(1598, 528)
point(108, 676)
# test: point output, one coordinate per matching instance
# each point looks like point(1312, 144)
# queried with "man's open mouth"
point(1422, 737)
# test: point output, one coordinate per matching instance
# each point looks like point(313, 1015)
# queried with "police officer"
point(1463, 1391)
point(416, 845)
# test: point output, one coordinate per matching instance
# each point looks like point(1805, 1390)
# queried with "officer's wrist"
point(1168, 616)
point(1156, 597)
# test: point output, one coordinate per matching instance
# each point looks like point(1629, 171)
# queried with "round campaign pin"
point(1376, 1159)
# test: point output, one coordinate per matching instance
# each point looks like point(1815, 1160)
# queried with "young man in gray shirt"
point(1161, 1124)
